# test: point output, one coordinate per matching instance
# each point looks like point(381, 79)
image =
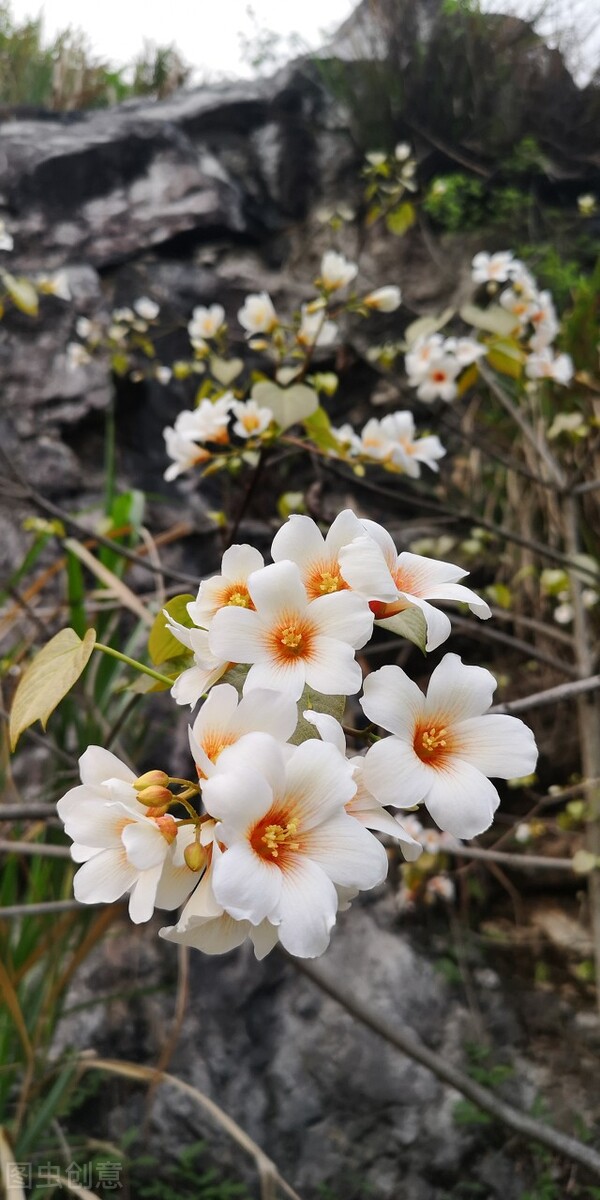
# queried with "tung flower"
point(317, 558)
point(257, 314)
point(444, 745)
point(384, 299)
point(206, 322)
point(336, 271)
point(222, 721)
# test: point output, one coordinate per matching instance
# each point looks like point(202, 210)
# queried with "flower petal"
point(216, 936)
point(344, 616)
point(97, 765)
point(300, 541)
point(238, 797)
point(248, 887)
point(332, 668)
point(395, 775)
point(347, 852)
point(240, 561)
point(145, 845)
point(461, 800)
point(328, 728)
point(237, 635)
point(498, 745)
point(319, 783)
point(104, 878)
point(276, 589)
point(264, 938)
point(266, 711)
point(363, 566)
point(143, 895)
point(392, 700)
point(287, 677)
point(459, 691)
point(306, 910)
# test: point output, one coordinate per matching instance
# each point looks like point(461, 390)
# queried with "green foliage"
point(64, 74)
point(456, 201)
point(189, 1178)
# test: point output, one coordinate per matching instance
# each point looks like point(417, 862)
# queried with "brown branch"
point(553, 695)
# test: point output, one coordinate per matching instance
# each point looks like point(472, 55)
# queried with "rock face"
point(198, 199)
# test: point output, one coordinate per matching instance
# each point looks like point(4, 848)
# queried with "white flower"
point(290, 640)
point(55, 285)
point(251, 419)
point(288, 839)
point(228, 588)
point(402, 151)
point(420, 357)
point(363, 806)
point(317, 557)
point(222, 721)
point(376, 158)
point(440, 887)
point(184, 452)
point(492, 268)
point(408, 451)
point(393, 582)
point(206, 322)
point(208, 422)
point(146, 308)
point(195, 681)
point(77, 356)
point(349, 439)
point(122, 316)
point(587, 204)
point(163, 374)
point(466, 350)
point(122, 848)
point(374, 442)
point(443, 749)
point(384, 299)
point(439, 380)
point(548, 365)
point(257, 314)
point(336, 271)
point(315, 329)
point(6, 239)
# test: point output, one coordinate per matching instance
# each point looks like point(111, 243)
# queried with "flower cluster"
point(276, 833)
point(434, 365)
point(533, 310)
point(393, 443)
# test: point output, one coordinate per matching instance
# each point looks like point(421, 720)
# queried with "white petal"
point(395, 775)
point(192, 684)
point(300, 541)
point(319, 783)
point(259, 753)
point(96, 765)
point(328, 728)
point(363, 566)
point(217, 711)
point(175, 884)
point(497, 745)
point(145, 845)
point(238, 798)
point(264, 937)
point(343, 615)
point(276, 589)
point(374, 816)
point(307, 909)
point(216, 936)
point(267, 711)
point(248, 887)
point(459, 691)
point(392, 700)
point(343, 530)
point(240, 561)
point(418, 574)
point(237, 635)
point(347, 852)
point(332, 668)
point(461, 800)
point(288, 677)
point(463, 595)
point(143, 895)
point(104, 878)
point(90, 819)
point(384, 540)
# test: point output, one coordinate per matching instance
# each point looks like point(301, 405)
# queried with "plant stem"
point(132, 662)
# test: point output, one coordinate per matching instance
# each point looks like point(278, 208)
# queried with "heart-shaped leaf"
point(288, 405)
point(48, 679)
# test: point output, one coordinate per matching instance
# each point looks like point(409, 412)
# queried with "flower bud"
point(155, 797)
point(150, 779)
point(195, 856)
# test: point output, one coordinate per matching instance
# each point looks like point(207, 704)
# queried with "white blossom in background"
point(250, 418)
point(492, 268)
point(349, 439)
point(291, 641)
point(230, 587)
point(184, 452)
point(206, 323)
point(315, 329)
point(122, 848)
point(546, 364)
point(122, 316)
point(384, 299)
point(444, 745)
point(439, 381)
point(208, 422)
point(421, 355)
point(76, 356)
point(336, 271)
point(407, 450)
point(317, 557)
point(224, 719)
point(465, 350)
point(587, 204)
point(402, 151)
point(288, 839)
point(146, 308)
point(163, 374)
point(395, 582)
point(195, 681)
point(55, 285)
point(6, 239)
point(257, 314)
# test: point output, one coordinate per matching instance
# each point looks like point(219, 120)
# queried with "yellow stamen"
point(279, 835)
point(291, 637)
point(433, 739)
point(329, 583)
point(240, 599)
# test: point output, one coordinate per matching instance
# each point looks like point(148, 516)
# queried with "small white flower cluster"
point(533, 309)
point(283, 837)
point(392, 442)
point(434, 365)
point(209, 423)
point(124, 334)
point(7, 242)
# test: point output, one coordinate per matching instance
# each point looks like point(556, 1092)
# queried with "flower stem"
point(132, 662)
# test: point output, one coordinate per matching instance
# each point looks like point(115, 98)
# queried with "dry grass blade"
point(9, 1172)
point(115, 585)
point(76, 1189)
point(11, 1001)
point(269, 1176)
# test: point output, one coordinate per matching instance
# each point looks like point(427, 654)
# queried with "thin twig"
point(34, 849)
point(410, 1045)
point(42, 909)
point(483, 632)
point(26, 812)
point(539, 443)
point(553, 695)
point(521, 861)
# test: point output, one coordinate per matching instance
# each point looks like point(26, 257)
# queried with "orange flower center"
point(237, 594)
point(275, 837)
point(432, 744)
point(291, 639)
point(324, 579)
point(438, 376)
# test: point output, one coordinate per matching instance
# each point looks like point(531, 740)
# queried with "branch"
point(553, 695)
point(539, 443)
point(410, 1045)
point(521, 861)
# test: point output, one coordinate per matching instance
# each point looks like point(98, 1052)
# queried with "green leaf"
point(318, 428)
point(162, 644)
point(333, 705)
point(22, 294)
point(48, 679)
point(288, 405)
point(414, 627)
point(506, 356)
point(225, 370)
point(493, 319)
point(400, 219)
point(424, 326)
